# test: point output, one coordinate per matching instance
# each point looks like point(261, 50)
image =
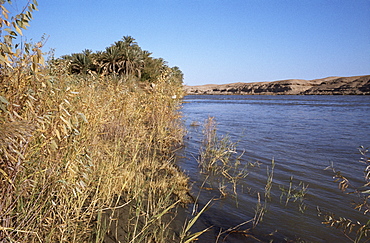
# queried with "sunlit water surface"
point(304, 135)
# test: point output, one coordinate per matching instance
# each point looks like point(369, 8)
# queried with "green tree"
point(153, 68)
point(124, 58)
point(82, 62)
point(131, 61)
point(131, 56)
point(177, 75)
point(108, 60)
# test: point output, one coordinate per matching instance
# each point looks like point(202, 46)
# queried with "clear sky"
point(219, 41)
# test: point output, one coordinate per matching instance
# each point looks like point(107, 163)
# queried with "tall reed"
point(79, 153)
point(219, 158)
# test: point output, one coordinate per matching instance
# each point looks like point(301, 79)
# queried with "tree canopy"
point(123, 58)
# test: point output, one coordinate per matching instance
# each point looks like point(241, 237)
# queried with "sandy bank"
point(356, 85)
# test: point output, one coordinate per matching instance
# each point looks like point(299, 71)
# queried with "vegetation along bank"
point(87, 142)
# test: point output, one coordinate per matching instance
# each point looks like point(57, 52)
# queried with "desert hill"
point(356, 85)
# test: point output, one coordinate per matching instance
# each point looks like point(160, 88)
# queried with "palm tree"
point(81, 62)
point(109, 59)
point(131, 56)
point(132, 62)
point(177, 75)
point(129, 41)
point(153, 68)
point(124, 57)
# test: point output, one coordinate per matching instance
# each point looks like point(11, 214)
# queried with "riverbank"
point(356, 85)
point(87, 142)
point(88, 158)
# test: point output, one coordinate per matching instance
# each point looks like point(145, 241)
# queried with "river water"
point(304, 135)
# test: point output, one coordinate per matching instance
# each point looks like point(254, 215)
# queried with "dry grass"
point(76, 152)
point(219, 159)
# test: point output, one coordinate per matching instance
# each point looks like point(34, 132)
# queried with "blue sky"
point(214, 41)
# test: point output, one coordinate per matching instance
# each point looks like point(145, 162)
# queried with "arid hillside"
point(356, 85)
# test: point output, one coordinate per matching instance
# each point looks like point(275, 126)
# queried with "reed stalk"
point(87, 159)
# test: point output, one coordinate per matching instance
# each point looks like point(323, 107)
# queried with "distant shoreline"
point(355, 85)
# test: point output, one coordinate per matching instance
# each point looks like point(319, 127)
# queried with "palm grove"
point(124, 58)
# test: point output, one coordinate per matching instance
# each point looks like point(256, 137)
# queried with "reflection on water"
point(304, 135)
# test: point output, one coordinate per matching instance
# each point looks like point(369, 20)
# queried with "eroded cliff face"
point(357, 85)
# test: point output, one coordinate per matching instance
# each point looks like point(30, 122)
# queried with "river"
point(305, 136)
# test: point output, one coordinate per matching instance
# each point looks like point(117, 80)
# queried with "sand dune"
point(356, 85)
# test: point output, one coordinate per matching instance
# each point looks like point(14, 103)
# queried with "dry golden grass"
point(76, 152)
